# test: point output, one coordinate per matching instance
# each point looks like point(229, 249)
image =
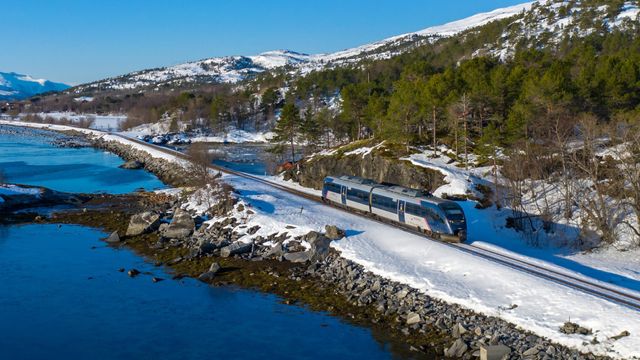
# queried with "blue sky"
point(76, 41)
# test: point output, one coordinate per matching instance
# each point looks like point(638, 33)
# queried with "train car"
point(413, 208)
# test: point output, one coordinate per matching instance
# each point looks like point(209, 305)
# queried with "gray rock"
point(531, 351)
point(143, 223)
point(207, 276)
point(235, 249)
point(333, 232)
point(132, 165)
point(413, 318)
point(320, 245)
point(458, 330)
point(133, 272)
point(494, 352)
point(457, 349)
point(276, 251)
point(215, 267)
point(298, 257)
point(181, 226)
point(113, 238)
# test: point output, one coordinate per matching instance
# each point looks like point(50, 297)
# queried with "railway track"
point(595, 288)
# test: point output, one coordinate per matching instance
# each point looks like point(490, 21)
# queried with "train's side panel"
point(335, 197)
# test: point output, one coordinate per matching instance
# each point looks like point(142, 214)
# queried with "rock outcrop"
point(182, 225)
point(376, 166)
point(143, 223)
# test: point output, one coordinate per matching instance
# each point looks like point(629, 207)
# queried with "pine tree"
point(288, 128)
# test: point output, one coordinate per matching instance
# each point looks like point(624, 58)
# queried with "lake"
point(63, 296)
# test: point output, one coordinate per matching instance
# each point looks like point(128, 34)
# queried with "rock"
point(319, 245)
point(458, 330)
point(143, 223)
point(621, 335)
point(413, 318)
point(276, 251)
point(333, 232)
point(494, 352)
point(235, 249)
point(182, 225)
point(133, 272)
point(132, 165)
point(114, 238)
point(573, 328)
point(215, 267)
point(457, 349)
point(531, 351)
point(207, 276)
point(298, 257)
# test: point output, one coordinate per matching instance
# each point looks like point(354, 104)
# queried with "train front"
point(456, 219)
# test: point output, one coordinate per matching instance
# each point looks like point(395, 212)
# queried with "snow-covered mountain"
point(15, 86)
point(231, 69)
point(532, 24)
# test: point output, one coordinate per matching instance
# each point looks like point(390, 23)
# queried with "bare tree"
point(201, 159)
point(626, 154)
point(592, 185)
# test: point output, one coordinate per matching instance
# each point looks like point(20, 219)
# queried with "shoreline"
point(427, 326)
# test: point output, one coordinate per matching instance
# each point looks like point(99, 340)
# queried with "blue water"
point(28, 157)
point(61, 298)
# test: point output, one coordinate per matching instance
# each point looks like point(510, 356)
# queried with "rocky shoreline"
point(303, 269)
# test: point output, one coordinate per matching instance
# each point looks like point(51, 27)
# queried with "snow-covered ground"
point(232, 135)
point(100, 122)
point(446, 273)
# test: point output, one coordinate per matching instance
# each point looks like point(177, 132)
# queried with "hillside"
point(15, 86)
point(232, 69)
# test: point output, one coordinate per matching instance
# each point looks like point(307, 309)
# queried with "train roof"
point(354, 180)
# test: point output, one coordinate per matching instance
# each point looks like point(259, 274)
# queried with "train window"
point(332, 187)
point(384, 203)
point(415, 209)
point(453, 212)
point(358, 196)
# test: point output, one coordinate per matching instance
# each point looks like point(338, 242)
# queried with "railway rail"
point(595, 288)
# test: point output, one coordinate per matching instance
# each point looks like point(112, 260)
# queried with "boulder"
point(458, 330)
point(494, 352)
point(276, 251)
point(333, 232)
point(457, 349)
point(413, 318)
point(132, 165)
point(298, 257)
point(143, 223)
point(573, 328)
point(235, 249)
point(319, 245)
point(114, 238)
point(182, 225)
point(215, 267)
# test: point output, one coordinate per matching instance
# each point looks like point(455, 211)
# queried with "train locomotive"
point(436, 217)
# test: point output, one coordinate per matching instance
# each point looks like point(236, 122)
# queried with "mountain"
point(231, 69)
point(15, 86)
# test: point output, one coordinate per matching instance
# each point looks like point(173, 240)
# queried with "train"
point(417, 209)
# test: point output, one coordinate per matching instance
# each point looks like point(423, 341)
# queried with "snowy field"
point(101, 122)
point(446, 273)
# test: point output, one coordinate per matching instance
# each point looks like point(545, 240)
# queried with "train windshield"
point(453, 211)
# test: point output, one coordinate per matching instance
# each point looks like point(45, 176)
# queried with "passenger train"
point(418, 209)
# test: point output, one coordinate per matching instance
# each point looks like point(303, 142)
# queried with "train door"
point(401, 210)
point(343, 195)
